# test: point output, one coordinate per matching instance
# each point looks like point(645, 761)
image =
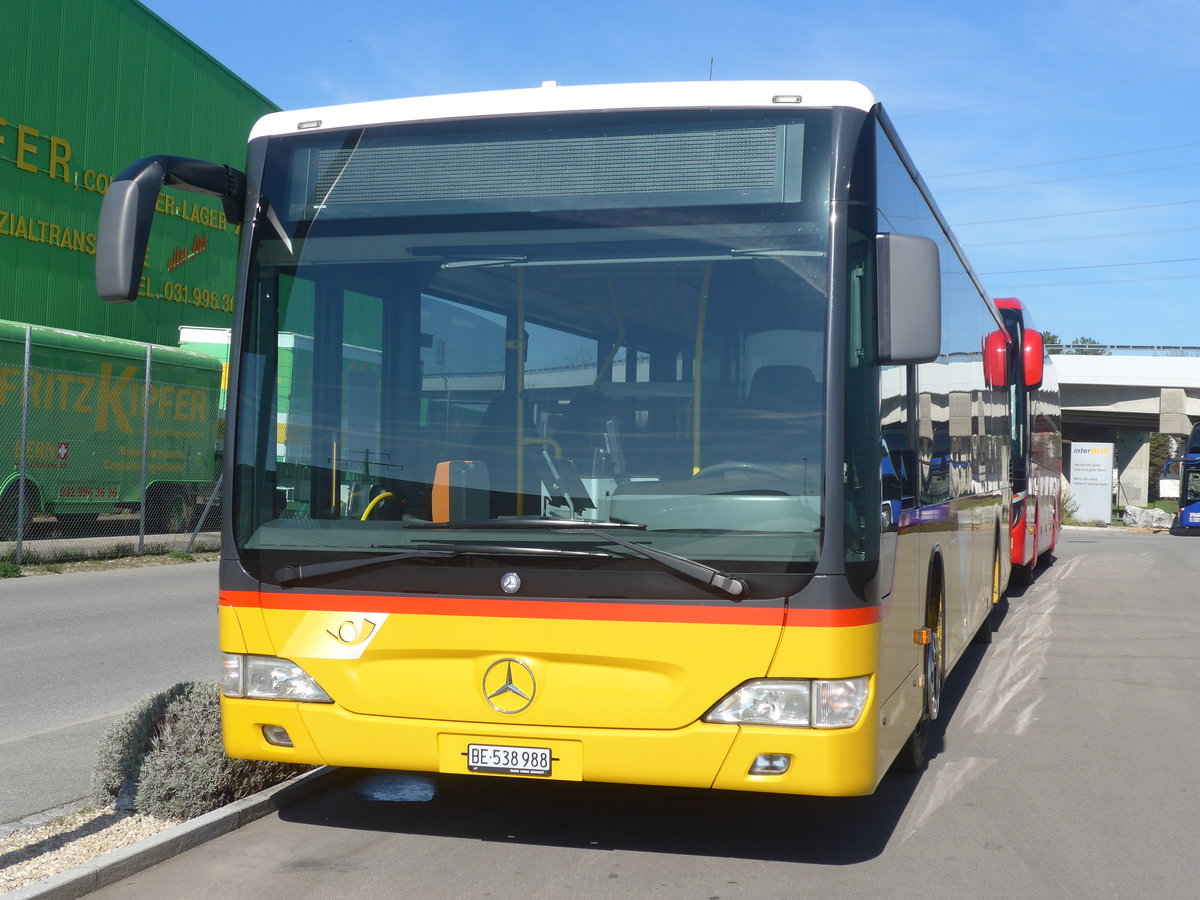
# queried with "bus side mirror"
point(1033, 352)
point(995, 359)
point(128, 211)
point(908, 299)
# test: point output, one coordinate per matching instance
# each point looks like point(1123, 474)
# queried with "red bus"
point(1036, 444)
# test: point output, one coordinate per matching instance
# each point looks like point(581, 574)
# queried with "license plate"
point(506, 760)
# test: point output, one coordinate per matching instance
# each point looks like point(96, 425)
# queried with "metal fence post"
point(145, 450)
point(212, 495)
point(21, 506)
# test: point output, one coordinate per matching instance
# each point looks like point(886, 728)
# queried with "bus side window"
point(896, 468)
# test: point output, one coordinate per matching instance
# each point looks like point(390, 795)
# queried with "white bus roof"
point(552, 98)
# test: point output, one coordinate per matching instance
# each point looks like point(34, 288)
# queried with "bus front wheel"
point(915, 753)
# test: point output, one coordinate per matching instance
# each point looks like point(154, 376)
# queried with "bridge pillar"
point(1172, 411)
point(1133, 462)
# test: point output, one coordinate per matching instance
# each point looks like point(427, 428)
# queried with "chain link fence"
point(115, 447)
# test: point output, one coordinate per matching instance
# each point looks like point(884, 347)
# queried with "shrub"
point(183, 771)
point(124, 746)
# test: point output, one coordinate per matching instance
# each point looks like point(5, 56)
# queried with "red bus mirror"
point(995, 359)
point(1032, 354)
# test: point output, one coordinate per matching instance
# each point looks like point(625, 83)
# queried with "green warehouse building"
point(118, 418)
point(85, 90)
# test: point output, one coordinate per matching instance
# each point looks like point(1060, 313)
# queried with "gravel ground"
point(30, 854)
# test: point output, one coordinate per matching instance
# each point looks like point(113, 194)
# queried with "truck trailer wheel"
point(9, 507)
point(166, 510)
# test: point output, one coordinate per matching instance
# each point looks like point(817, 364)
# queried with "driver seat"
point(776, 424)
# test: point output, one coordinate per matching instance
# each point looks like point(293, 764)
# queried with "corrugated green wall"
point(86, 88)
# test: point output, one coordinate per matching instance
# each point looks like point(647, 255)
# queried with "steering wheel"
point(756, 468)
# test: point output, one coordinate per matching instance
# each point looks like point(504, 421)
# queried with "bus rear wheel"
point(984, 634)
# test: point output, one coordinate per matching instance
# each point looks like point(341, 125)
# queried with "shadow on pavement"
point(819, 831)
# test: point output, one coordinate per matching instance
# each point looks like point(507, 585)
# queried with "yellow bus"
point(627, 433)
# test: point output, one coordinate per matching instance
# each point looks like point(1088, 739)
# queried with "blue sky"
point(1060, 137)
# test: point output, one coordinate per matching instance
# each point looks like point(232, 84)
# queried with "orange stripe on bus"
point(554, 609)
point(833, 618)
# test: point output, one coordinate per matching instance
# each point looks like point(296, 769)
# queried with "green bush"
point(182, 770)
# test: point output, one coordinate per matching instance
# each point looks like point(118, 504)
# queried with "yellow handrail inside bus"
point(379, 498)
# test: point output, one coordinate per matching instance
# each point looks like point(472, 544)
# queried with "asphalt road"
point(1066, 767)
point(76, 651)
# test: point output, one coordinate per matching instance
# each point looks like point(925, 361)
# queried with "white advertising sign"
point(1091, 481)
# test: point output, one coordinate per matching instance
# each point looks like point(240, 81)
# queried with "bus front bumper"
point(832, 763)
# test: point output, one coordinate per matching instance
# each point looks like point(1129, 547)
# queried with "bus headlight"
point(269, 678)
point(798, 703)
point(766, 702)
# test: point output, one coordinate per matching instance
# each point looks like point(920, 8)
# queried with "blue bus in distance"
point(1188, 520)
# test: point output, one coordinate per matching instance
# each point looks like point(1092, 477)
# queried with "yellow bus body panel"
point(615, 701)
point(229, 630)
point(815, 652)
point(597, 673)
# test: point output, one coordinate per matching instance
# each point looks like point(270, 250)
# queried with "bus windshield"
point(425, 364)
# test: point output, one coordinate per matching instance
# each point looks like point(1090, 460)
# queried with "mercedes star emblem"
point(509, 686)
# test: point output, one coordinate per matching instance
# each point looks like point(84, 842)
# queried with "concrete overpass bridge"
point(1121, 398)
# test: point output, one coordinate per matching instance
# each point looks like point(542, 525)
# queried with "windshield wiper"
point(735, 588)
point(289, 575)
point(680, 565)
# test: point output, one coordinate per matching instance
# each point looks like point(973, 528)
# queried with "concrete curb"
point(112, 867)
